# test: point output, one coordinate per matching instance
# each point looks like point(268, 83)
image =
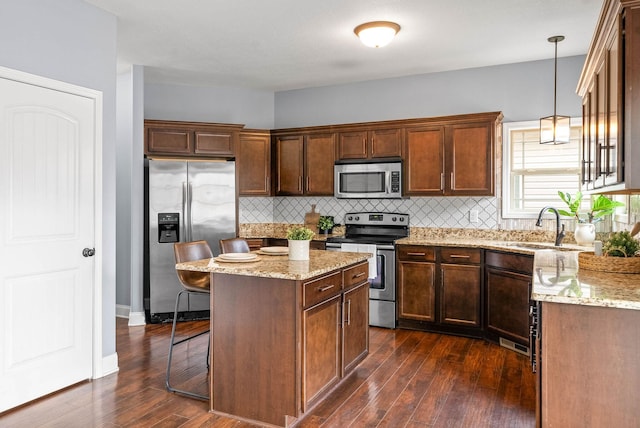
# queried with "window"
point(533, 172)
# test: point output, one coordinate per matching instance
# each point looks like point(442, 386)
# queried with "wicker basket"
point(589, 261)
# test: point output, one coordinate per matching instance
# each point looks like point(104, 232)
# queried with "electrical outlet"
point(473, 216)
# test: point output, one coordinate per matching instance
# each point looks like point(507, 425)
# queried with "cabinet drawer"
point(416, 253)
point(355, 275)
point(460, 255)
point(322, 288)
point(513, 262)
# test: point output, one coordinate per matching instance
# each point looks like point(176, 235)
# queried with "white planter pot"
point(585, 234)
point(298, 250)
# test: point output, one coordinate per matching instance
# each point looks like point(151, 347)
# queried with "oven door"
point(382, 288)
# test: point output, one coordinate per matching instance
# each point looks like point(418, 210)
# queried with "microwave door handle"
point(388, 180)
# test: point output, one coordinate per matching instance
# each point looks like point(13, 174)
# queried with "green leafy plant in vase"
point(300, 233)
point(325, 224)
point(601, 206)
point(299, 238)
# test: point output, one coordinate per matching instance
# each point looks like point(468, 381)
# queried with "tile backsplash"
point(437, 212)
point(450, 212)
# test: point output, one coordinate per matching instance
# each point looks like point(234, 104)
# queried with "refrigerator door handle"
point(189, 202)
point(185, 213)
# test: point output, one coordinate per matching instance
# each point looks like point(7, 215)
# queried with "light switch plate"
point(473, 216)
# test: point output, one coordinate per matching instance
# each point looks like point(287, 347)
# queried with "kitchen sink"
point(538, 246)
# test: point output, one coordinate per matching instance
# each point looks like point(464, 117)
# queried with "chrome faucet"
point(559, 232)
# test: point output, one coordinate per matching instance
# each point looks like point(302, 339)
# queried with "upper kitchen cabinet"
point(370, 143)
point(253, 163)
point(452, 156)
point(304, 164)
point(610, 89)
point(171, 138)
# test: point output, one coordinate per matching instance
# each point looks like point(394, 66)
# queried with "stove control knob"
point(357, 218)
point(402, 219)
point(350, 218)
point(394, 219)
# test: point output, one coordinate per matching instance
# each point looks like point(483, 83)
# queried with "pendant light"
point(376, 34)
point(555, 129)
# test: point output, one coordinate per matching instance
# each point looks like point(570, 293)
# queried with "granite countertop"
point(520, 247)
point(267, 266)
point(557, 278)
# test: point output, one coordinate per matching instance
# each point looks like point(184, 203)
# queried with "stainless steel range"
point(376, 231)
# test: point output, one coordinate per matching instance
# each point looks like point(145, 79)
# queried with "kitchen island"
point(284, 333)
point(587, 329)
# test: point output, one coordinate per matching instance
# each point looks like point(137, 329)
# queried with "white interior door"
point(47, 140)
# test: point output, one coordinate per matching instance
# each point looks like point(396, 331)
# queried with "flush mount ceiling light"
point(376, 34)
point(555, 129)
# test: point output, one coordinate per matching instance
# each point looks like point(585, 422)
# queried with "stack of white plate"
point(274, 251)
point(237, 257)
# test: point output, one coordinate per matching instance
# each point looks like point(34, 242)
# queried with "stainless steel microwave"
point(368, 178)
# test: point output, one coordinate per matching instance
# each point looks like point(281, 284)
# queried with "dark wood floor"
point(410, 379)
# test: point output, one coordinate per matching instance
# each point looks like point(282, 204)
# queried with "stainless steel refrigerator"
point(184, 201)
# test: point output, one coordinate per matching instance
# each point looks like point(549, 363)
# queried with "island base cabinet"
point(335, 340)
point(355, 327)
point(253, 351)
point(321, 349)
point(588, 373)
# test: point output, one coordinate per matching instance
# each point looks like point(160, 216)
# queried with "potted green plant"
point(299, 238)
point(601, 206)
point(325, 224)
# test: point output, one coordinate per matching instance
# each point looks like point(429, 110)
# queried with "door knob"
point(88, 252)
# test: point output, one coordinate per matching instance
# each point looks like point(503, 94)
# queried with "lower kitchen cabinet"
point(508, 289)
point(460, 295)
point(321, 349)
point(440, 289)
point(335, 330)
point(416, 274)
point(355, 322)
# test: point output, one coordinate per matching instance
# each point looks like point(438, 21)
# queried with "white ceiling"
point(278, 45)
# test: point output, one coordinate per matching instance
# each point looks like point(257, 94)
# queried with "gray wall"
point(522, 91)
point(254, 109)
point(74, 42)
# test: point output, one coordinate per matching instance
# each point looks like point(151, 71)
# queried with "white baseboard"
point(136, 319)
point(122, 311)
point(109, 366)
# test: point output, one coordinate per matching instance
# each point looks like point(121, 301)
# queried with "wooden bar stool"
point(234, 245)
point(193, 283)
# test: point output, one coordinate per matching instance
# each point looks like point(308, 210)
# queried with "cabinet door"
point(320, 156)
point(355, 322)
point(214, 143)
point(169, 141)
point(613, 160)
point(416, 291)
point(253, 164)
point(289, 164)
point(470, 152)
point(508, 304)
point(424, 161)
point(460, 294)
point(321, 364)
point(385, 143)
point(352, 145)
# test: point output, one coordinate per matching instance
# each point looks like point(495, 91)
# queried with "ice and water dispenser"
point(168, 227)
